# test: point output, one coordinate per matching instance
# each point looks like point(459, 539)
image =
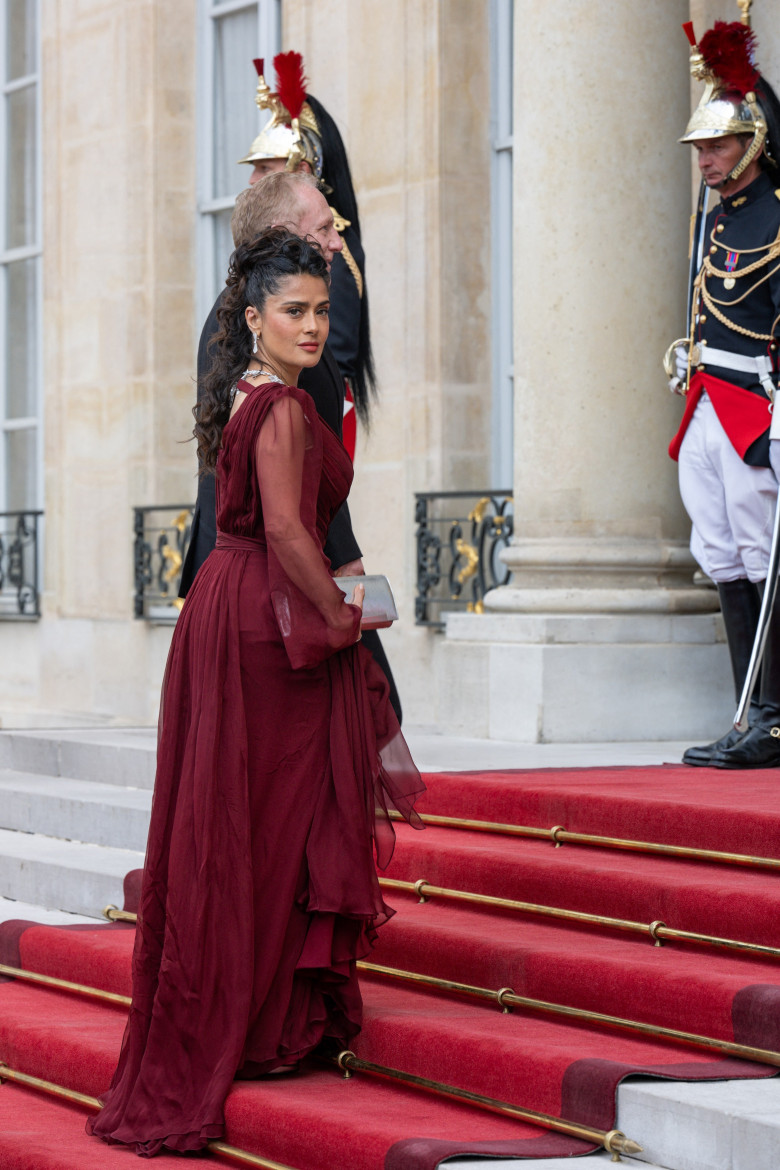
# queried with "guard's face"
point(267, 166)
point(717, 157)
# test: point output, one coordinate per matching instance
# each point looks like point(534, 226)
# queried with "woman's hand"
point(341, 619)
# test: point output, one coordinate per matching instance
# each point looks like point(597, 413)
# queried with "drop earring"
point(254, 347)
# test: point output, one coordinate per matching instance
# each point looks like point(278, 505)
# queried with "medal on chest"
point(732, 259)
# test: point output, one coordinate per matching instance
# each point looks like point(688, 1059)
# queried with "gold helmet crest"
point(291, 132)
point(724, 60)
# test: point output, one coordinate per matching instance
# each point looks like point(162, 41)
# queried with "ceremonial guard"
point(728, 368)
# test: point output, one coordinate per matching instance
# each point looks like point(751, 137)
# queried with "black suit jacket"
point(326, 386)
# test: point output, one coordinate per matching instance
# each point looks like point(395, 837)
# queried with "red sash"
point(743, 415)
point(349, 433)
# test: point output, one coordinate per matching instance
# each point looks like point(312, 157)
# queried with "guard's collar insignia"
point(760, 186)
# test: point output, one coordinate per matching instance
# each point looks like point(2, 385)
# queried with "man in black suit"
point(290, 200)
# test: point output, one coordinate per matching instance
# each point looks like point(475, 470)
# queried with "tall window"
point(20, 257)
point(232, 32)
point(501, 53)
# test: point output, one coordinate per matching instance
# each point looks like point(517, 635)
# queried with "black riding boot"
point(740, 602)
point(759, 747)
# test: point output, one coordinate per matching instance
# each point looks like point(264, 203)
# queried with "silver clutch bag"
point(379, 610)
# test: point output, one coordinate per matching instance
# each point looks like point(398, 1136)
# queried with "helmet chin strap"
point(756, 144)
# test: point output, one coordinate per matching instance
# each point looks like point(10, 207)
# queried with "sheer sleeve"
point(313, 618)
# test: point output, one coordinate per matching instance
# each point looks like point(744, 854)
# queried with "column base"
point(563, 678)
point(606, 601)
point(576, 575)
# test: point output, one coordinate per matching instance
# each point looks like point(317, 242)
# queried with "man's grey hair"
point(272, 202)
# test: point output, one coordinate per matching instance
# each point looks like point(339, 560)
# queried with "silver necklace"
point(252, 373)
point(257, 373)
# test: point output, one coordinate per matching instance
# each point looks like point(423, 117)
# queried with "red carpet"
point(39, 1133)
point(318, 1121)
point(702, 808)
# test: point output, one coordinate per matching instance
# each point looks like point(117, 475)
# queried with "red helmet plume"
point(728, 51)
point(290, 82)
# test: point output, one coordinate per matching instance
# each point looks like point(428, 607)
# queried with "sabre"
point(697, 247)
point(697, 252)
point(765, 613)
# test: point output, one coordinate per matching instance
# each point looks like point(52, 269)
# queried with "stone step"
point(589, 1162)
point(705, 1125)
point(9, 910)
point(124, 757)
point(63, 875)
point(97, 785)
point(74, 810)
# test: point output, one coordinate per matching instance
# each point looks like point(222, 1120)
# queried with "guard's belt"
point(761, 365)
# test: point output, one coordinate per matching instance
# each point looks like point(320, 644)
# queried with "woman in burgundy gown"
point(278, 750)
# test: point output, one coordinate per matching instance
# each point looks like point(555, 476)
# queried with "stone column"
point(601, 197)
point(593, 637)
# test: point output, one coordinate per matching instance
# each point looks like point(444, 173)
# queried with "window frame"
point(502, 249)
point(209, 205)
point(18, 254)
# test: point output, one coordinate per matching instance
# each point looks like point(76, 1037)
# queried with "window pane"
point(21, 341)
point(20, 38)
point(237, 119)
point(223, 249)
point(21, 167)
point(20, 470)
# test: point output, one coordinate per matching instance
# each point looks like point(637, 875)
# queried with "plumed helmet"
point(291, 132)
point(724, 60)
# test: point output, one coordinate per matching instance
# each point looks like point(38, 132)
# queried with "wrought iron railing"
point(162, 534)
point(19, 596)
point(459, 538)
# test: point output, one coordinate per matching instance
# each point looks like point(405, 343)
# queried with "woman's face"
point(293, 325)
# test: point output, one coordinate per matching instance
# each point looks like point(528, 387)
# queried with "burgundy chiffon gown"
point(277, 761)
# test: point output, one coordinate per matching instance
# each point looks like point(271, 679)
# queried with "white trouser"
point(731, 505)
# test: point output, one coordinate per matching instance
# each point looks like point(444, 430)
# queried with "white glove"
point(678, 383)
point(681, 362)
point(774, 457)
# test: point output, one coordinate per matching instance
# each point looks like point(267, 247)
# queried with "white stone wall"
point(119, 267)
point(601, 230)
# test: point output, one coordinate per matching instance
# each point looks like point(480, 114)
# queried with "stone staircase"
point(74, 809)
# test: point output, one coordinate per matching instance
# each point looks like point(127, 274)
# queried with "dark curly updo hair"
point(256, 272)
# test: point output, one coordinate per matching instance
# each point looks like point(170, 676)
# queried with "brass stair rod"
point(506, 998)
point(657, 931)
point(425, 891)
point(560, 836)
point(114, 914)
point(614, 1141)
point(64, 985)
point(221, 1149)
